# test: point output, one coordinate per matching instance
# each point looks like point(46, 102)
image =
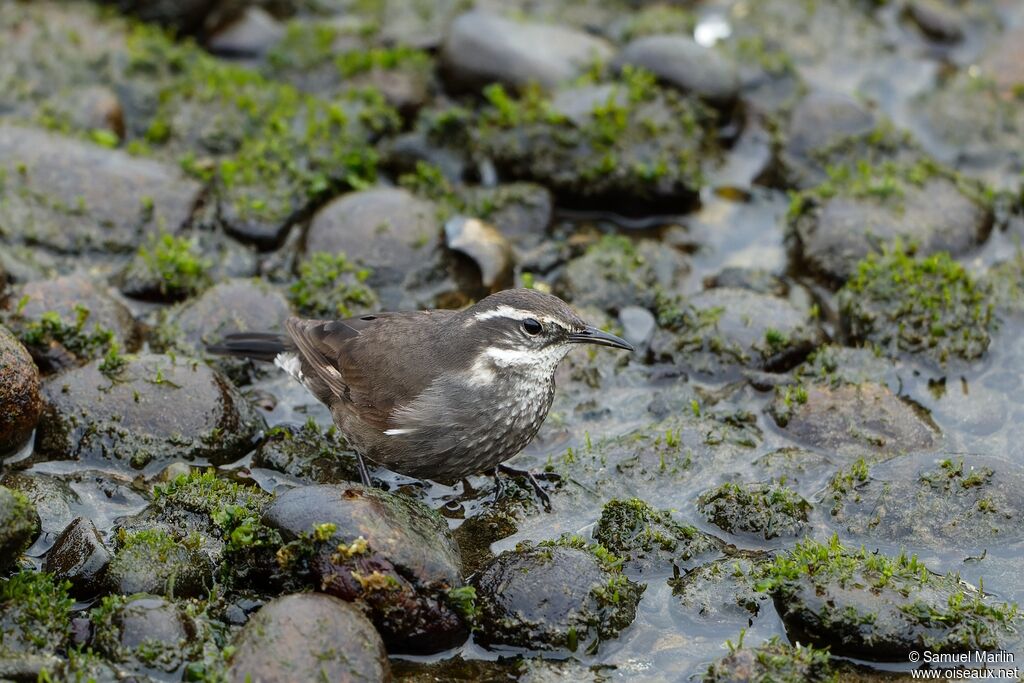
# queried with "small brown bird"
point(433, 394)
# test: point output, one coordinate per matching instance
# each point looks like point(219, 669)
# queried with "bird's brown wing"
point(363, 361)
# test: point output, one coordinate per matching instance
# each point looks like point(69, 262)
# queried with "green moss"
point(639, 141)
point(772, 662)
point(633, 529)
point(329, 285)
point(175, 263)
point(657, 19)
point(463, 599)
point(274, 150)
point(768, 510)
point(77, 337)
point(922, 305)
point(35, 614)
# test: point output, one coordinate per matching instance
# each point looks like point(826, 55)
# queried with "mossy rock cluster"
point(768, 510)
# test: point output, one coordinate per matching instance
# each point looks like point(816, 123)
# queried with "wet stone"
point(761, 510)
point(80, 557)
point(20, 404)
point(928, 306)
point(19, 526)
point(226, 308)
point(308, 637)
point(145, 633)
point(721, 592)
point(69, 321)
point(483, 48)
point(633, 147)
point(721, 330)
point(394, 235)
point(853, 420)
point(772, 661)
point(153, 561)
point(930, 502)
point(521, 212)
point(250, 35)
point(391, 555)
point(72, 196)
point(651, 541)
point(638, 325)
point(117, 412)
point(936, 19)
point(616, 273)
point(681, 62)
point(876, 607)
point(52, 497)
point(308, 453)
point(835, 234)
point(35, 615)
point(553, 597)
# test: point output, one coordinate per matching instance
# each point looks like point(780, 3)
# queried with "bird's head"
point(529, 330)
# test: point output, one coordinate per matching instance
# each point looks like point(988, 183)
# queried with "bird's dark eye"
point(532, 327)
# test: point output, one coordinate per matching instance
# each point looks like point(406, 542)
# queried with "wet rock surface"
point(307, 637)
point(803, 215)
point(483, 48)
point(118, 414)
point(389, 554)
point(19, 525)
point(20, 404)
point(969, 502)
point(69, 321)
point(553, 597)
point(878, 606)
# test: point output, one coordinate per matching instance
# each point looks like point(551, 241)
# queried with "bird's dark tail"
point(256, 345)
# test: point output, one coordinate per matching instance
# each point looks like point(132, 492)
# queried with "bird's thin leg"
point(545, 499)
point(364, 474)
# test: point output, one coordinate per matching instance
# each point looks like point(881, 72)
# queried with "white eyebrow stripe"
point(512, 314)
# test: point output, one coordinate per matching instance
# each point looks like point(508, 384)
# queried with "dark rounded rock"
point(389, 231)
point(853, 420)
point(862, 604)
point(96, 199)
point(251, 34)
point(20, 404)
point(117, 412)
point(308, 637)
point(820, 121)
point(905, 304)
point(483, 48)
point(772, 661)
point(721, 330)
point(763, 510)
point(722, 592)
point(308, 453)
point(681, 62)
point(616, 273)
point(229, 307)
point(69, 321)
point(144, 633)
point(651, 541)
point(930, 502)
point(411, 535)
point(79, 556)
point(19, 526)
point(152, 561)
point(390, 555)
point(552, 597)
point(522, 212)
point(935, 216)
point(52, 497)
point(936, 19)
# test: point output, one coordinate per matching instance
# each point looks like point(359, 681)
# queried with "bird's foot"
point(545, 499)
point(364, 473)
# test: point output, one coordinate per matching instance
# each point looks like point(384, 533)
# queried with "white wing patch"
point(290, 363)
point(398, 432)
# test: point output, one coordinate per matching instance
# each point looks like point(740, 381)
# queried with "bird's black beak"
point(592, 335)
